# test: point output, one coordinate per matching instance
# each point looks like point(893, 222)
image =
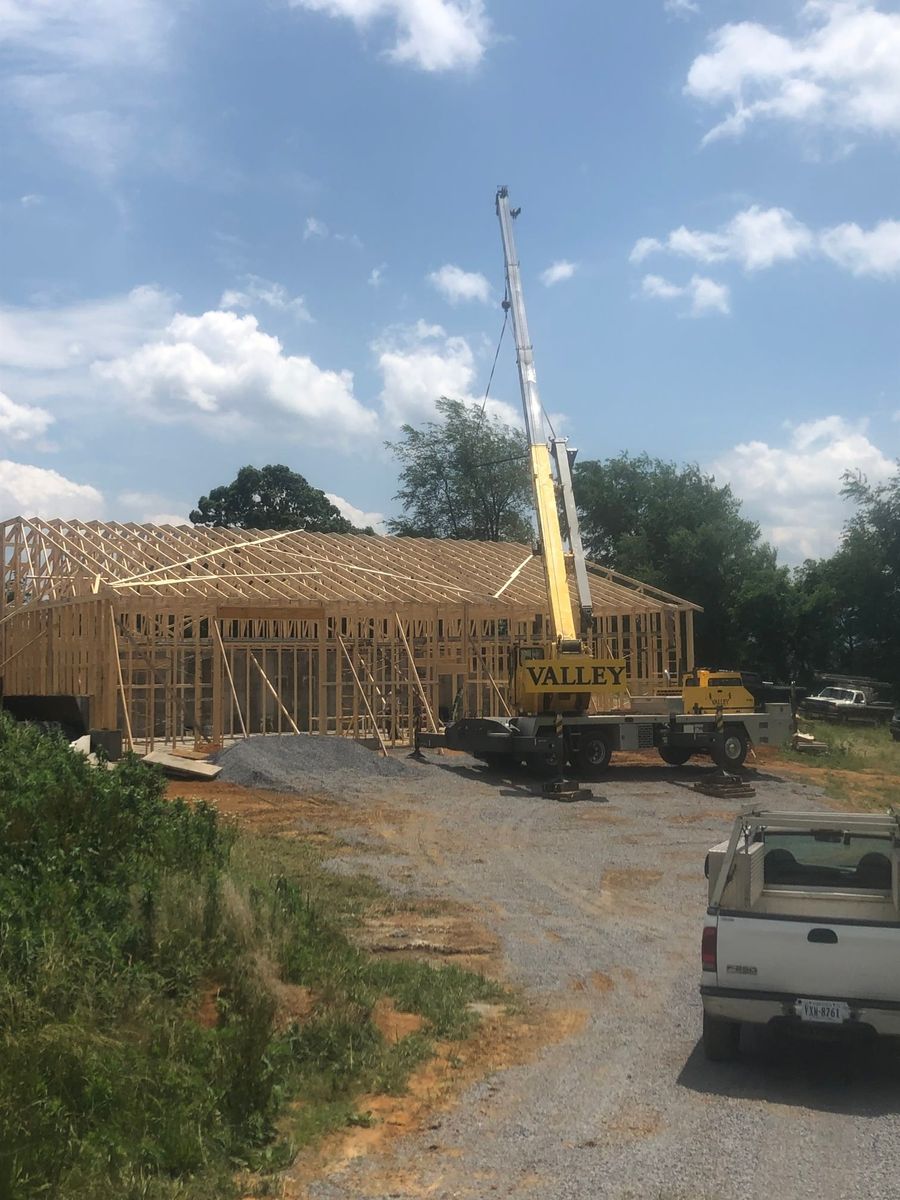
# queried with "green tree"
point(675, 527)
point(864, 574)
point(273, 497)
point(464, 475)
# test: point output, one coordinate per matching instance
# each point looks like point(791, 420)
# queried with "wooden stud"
point(268, 684)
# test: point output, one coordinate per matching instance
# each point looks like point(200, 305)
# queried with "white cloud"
point(841, 70)
point(357, 516)
point(219, 370)
point(557, 272)
point(51, 339)
point(319, 231)
point(75, 69)
point(19, 422)
point(704, 294)
point(150, 508)
point(756, 238)
point(376, 276)
point(264, 291)
point(434, 35)
point(223, 364)
point(794, 490)
point(681, 8)
point(70, 116)
point(31, 200)
point(759, 238)
point(457, 285)
point(88, 33)
point(314, 228)
point(27, 491)
point(419, 364)
point(865, 252)
point(163, 518)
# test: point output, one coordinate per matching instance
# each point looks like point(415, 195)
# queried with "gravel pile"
point(305, 762)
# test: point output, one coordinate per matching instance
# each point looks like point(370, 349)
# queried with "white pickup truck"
point(803, 926)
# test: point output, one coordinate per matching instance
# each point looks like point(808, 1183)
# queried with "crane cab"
point(705, 691)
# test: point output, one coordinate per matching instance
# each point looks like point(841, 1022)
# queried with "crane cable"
point(496, 356)
point(487, 390)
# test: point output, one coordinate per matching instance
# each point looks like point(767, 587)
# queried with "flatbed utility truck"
point(568, 704)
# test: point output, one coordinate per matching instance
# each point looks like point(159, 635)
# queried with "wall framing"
point(180, 633)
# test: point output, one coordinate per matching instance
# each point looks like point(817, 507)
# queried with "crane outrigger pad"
point(567, 792)
point(725, 787)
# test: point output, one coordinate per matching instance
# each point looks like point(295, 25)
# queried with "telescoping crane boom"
point(563, 675)
point(569, 705)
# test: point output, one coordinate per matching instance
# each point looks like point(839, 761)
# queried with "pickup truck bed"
point(803, 927)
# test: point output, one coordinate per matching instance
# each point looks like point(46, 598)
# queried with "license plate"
point(824, 1012)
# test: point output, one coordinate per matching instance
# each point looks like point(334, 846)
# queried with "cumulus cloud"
point(223, 364)
point(557, 272)
point(864, 252)
point(28, 491)
point(357, 516)
point(840, 70)
point(376, 276)
point(793, 490)
point(419, 364)
point(264, 291)
point(681, 8)
point(19, 422)
point(433, 35)
point(758, 238)
point(704, 295)
point(457, 285)
point(755, 238)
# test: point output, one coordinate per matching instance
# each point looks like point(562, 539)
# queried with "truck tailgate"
point(809, 958)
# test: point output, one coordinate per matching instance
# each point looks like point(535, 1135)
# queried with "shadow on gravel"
point(518, 775)
point(860, 1079)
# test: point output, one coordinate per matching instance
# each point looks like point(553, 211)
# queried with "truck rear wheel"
point(594, 753)
point(675, 756)
point(731, 754)
point(721, 1038)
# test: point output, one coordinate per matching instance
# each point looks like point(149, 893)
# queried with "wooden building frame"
point(178, 633)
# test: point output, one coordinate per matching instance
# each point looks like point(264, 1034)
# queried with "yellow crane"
point(562, 675)
point(557, 681)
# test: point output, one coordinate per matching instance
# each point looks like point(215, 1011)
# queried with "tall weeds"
point(140, 1058)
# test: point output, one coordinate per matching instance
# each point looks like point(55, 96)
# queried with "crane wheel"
point(730, 756)
point(493, 760)
point(594, 753)
point(544, 763)
point(675, 756)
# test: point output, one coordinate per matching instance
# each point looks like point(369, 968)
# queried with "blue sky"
point(263, 231)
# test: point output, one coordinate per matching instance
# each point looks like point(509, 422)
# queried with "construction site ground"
point(595, 1085)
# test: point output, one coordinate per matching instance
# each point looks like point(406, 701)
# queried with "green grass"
point(860, 768)
point(119, 913)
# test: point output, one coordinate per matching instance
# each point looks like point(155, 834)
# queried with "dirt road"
point(598, 910)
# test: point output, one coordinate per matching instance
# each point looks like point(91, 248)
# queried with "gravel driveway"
point(599, 907)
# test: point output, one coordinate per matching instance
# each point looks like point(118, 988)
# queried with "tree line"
point(465, 475)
